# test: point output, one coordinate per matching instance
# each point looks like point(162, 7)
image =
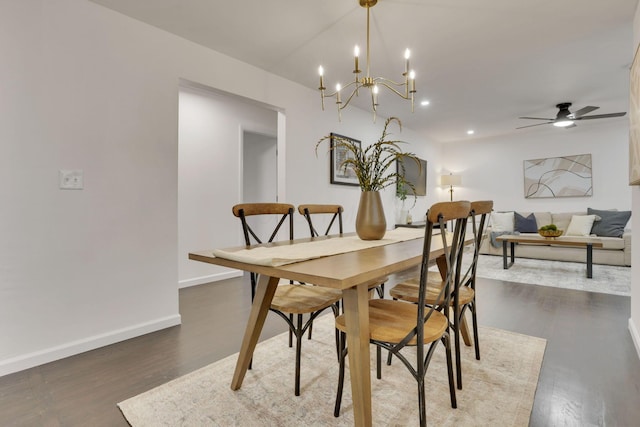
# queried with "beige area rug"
point(498, 390)
point(608, 279)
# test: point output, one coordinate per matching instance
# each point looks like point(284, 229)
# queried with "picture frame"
point(553, 177)
point(340, 175)
point(634, 120)
point(415, 175)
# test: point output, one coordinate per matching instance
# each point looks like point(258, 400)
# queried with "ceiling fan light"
point(563, 123)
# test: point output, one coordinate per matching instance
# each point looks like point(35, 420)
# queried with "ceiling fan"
point(566, 119)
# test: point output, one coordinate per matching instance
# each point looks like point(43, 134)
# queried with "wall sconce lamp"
point(451, 180)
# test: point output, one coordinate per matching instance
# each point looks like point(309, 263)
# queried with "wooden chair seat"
point(390, 321)
point(408, 291)
point(302, 299)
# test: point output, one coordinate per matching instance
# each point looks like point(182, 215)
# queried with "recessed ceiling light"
point(424, 102)
point(471, 132)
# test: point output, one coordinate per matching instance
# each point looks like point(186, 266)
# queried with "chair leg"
point(457, 353)
point(379, 362)
point(389, 356)
point(476, 340)
point(452, 387)
point(290, 332)
point(422, 406)
point(336, 313)
point(310, 328)
point(343, 355)
point(298, 351)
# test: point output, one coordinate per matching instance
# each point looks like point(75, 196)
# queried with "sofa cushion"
point(580, 225)
point(611, 224)
point(562, 220)
point(542, 218)
point(524, 224)
point(502, 222)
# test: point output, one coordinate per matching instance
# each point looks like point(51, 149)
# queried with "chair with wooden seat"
point(335, 211)
point(290, 299)
point(464, 294)
point(395, 325)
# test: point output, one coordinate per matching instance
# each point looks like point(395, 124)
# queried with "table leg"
point(589, 260)
point(504, 255)
point(505, 264)
point(265, 290)
point(356, 311)
point(464, 331)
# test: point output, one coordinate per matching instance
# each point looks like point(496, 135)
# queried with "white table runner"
point(274, 256)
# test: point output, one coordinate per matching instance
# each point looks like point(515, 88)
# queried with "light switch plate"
point(71, 179)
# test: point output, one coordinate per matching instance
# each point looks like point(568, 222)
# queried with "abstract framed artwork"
point(568, 176)
point(634, 121)
point(342, 174)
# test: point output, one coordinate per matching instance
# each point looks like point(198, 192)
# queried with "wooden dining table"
point(350, 272)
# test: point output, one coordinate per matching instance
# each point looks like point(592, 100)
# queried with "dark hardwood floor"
point(590, 375)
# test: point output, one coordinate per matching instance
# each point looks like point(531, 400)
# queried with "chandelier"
point(405, 90)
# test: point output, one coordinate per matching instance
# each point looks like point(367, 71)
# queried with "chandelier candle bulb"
point(356, 54)
point(407, 55)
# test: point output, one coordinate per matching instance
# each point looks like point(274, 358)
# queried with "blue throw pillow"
point(525, 225)
point(611, 223)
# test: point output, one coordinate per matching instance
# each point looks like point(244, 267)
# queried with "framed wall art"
point(634, 122)
point(568, 176)
point(416, 175)
point(339, 173)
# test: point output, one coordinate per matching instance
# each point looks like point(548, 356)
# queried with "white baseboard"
point(210, 278)
point(47, 355)
point(634, 335)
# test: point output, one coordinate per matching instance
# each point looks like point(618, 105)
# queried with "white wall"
point(493, 168)
point(84, 87)
point(634, 321)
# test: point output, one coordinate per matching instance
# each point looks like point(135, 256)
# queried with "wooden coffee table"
point(561, 241)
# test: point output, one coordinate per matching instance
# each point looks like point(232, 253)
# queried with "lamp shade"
point(450, 179)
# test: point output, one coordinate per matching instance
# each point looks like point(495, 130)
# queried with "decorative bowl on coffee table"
point(550, 234)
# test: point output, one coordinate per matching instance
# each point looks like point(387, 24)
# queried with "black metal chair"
point(290, 299)
point(394, 324)
point(463, 295)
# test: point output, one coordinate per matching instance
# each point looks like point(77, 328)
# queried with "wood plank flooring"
point(590, 374)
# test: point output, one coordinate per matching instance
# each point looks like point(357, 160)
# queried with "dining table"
point(342, 262)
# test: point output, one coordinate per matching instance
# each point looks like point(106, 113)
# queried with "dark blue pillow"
point(525, 225)
point(611, 223)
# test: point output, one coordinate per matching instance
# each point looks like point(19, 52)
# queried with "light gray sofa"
point(615, 250)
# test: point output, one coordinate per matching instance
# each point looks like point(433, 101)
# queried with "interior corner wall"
point(634, 321)
point(210, 152)
point(87, 88)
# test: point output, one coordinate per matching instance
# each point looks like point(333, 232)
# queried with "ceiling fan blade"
point(570, 126)
point(535, 118)
point(583, 111)
point(537, 124)
point(601, 116)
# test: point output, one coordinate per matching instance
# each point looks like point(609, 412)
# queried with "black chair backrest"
point(244, 210)
point(479, 209)
point(452, 246)
point(308, 210)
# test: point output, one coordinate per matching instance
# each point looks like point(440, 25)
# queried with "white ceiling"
point(481, 64)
